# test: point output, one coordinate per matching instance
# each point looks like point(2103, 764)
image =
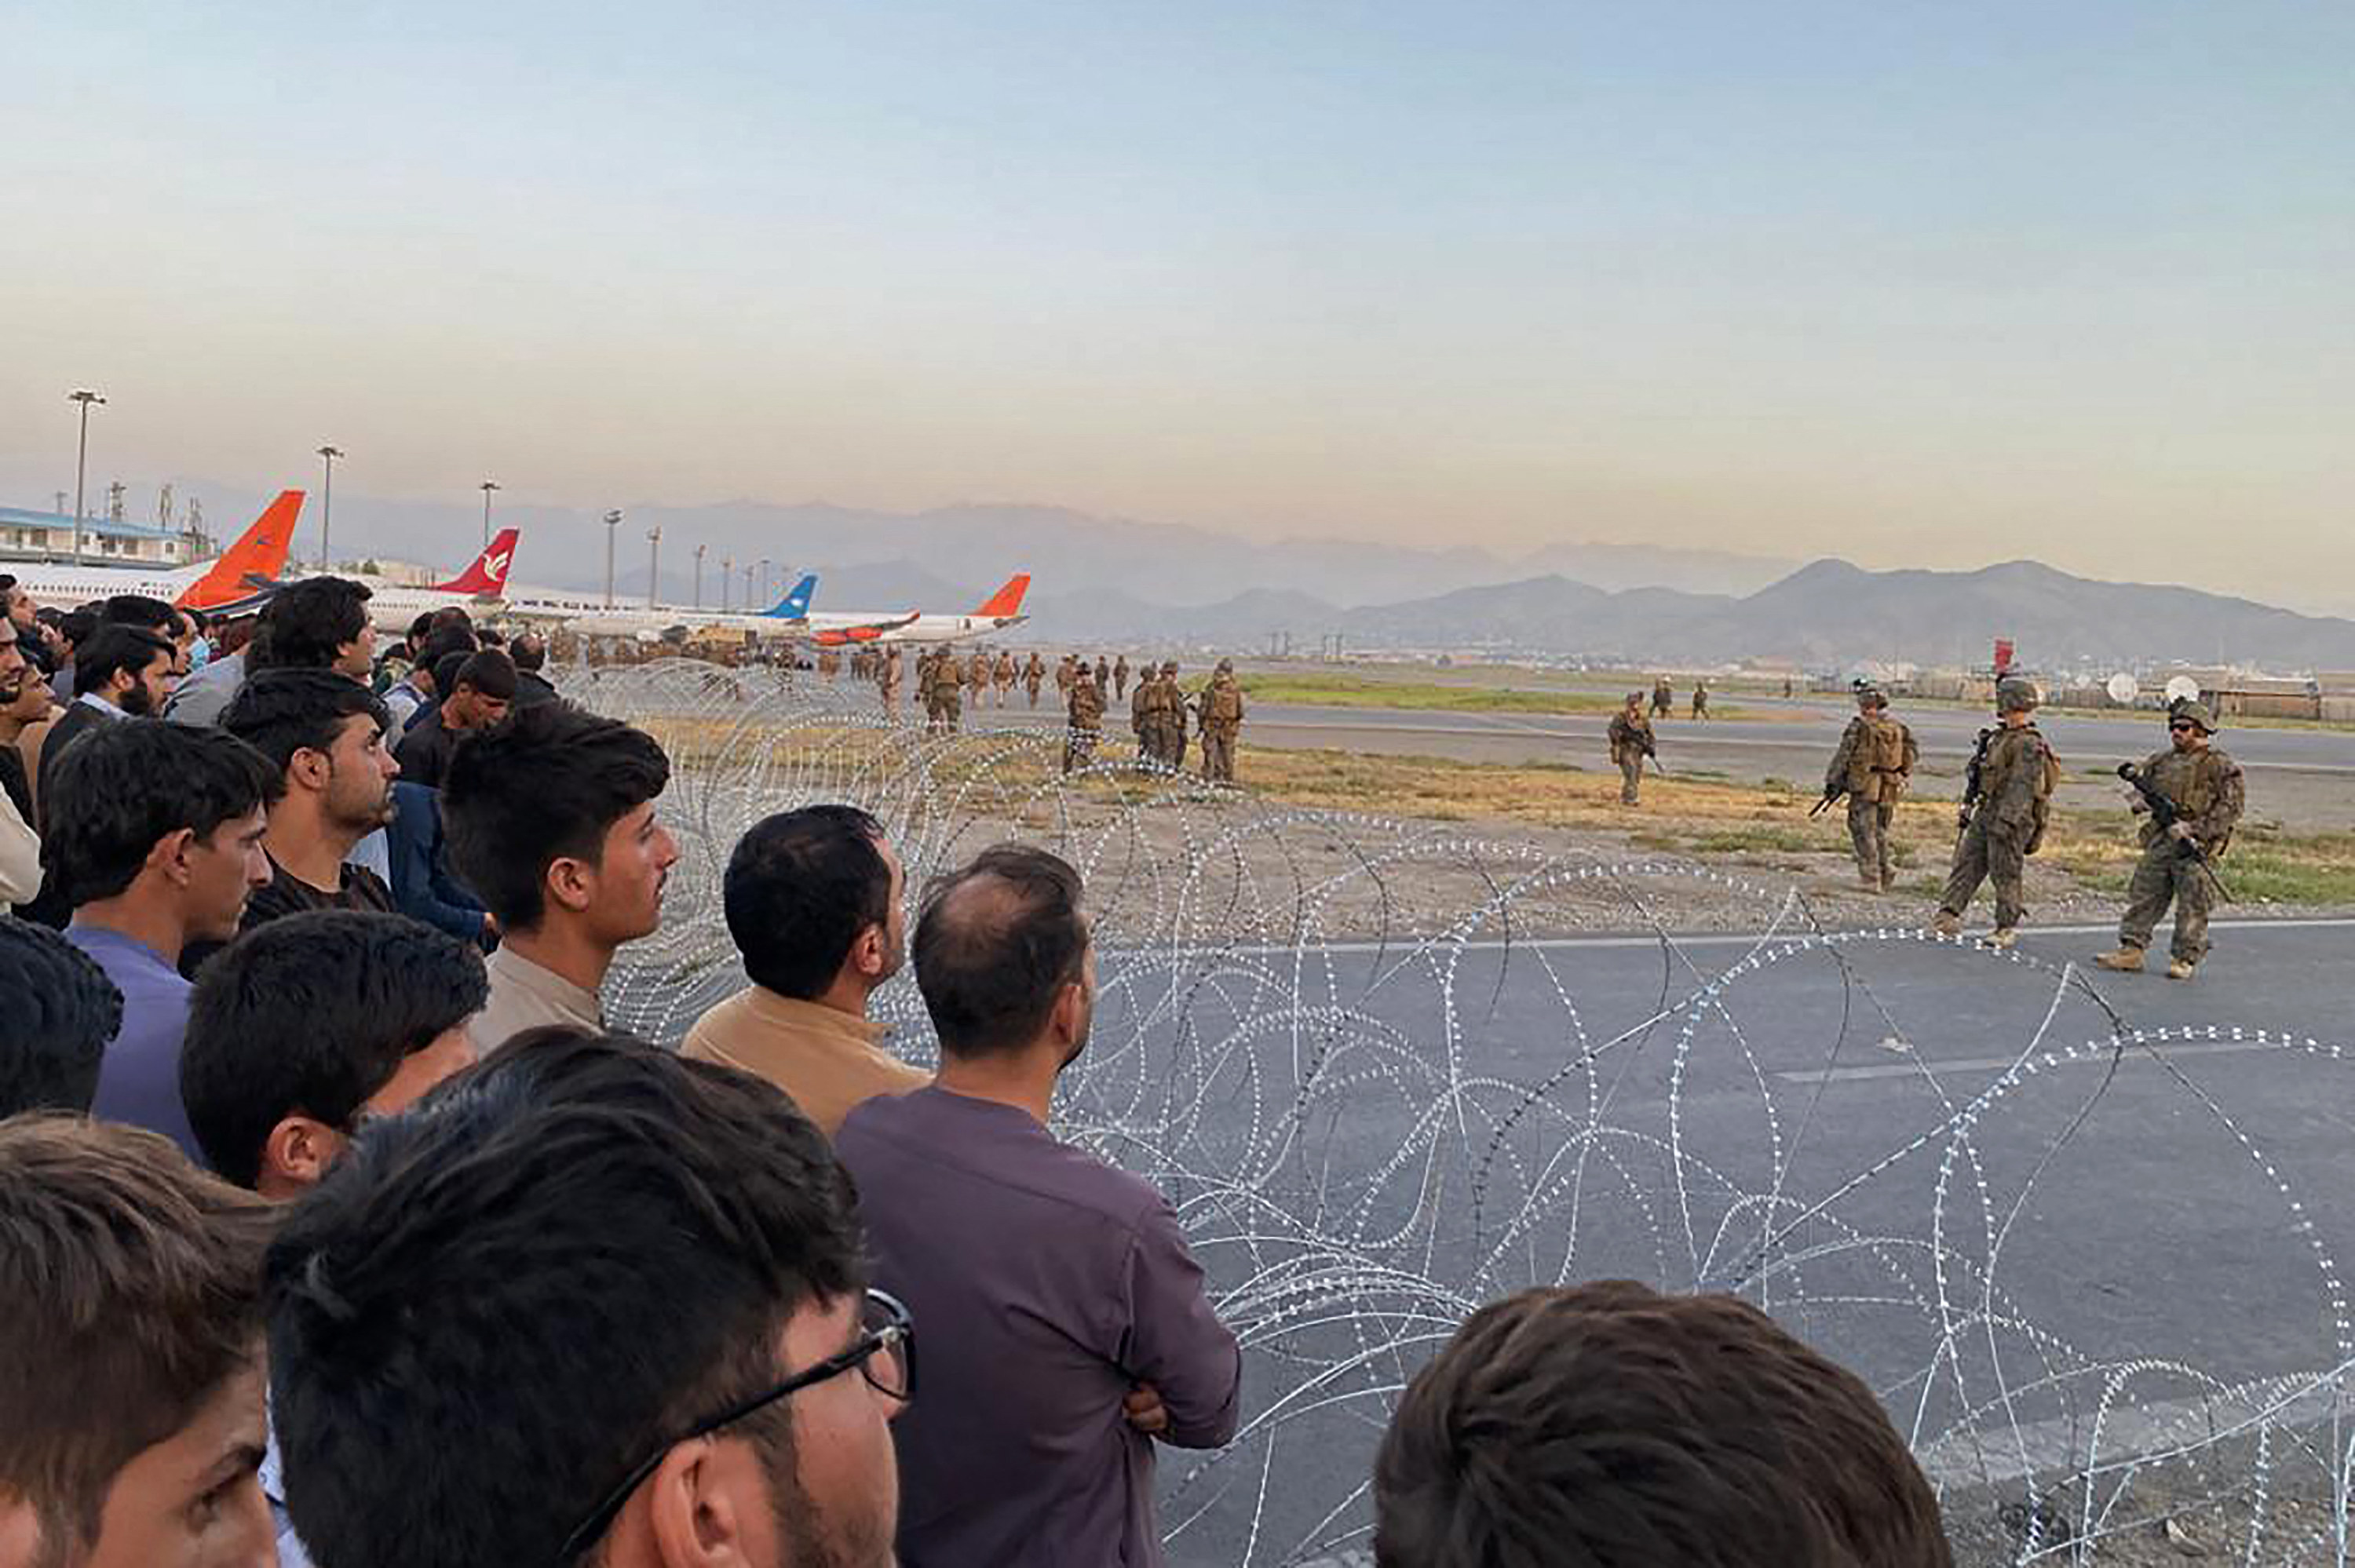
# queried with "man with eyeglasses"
point(587, 1303)
point(2203, 788)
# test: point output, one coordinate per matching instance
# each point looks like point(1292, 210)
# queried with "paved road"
point(2305, 779)
point(2148, 1202)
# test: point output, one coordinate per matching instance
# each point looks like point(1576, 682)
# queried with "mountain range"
point(1103, 579)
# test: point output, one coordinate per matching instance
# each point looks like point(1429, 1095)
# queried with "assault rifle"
point(1971, 775)
point(1829, 795)
point(2165, 815)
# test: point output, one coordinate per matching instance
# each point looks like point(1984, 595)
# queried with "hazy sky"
point(1932, 284)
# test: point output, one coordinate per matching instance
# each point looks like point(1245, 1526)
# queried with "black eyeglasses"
point(884, 1353)
point(2183, 727)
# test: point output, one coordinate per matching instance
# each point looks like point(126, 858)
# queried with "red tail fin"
point(1008, 601)
point(488, 575)
point(259, 552)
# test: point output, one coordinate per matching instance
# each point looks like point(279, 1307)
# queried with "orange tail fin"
point(259, 552)
point(488, 575)
point(1008, 601)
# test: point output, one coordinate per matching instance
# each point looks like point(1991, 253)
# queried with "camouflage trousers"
point(2162, 876)
point(1032, 686)
point(1079, 749)
point(1219, 756)
point(1989, 854)
point(1173, 746)
point(1867, 832)
point(1631, 779)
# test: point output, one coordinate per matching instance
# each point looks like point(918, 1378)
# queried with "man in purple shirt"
point(156, 837)
point(1066, 1323)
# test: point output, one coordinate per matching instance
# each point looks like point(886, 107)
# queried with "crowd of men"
point(327, 1239)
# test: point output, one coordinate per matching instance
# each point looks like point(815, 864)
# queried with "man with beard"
point(812, 899)
point(120, 671)
point(20, 847)
point(324, 733)
point(1067, 1327)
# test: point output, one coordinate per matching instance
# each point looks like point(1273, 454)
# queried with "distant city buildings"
point(30, 536)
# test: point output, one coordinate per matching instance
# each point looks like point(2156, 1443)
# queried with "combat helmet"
point(1169, 666)
point(2013, 695)
point(2195, 711)
point(1865, 692)
point(1226, 667)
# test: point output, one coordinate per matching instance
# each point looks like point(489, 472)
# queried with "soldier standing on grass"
point(1144, 720)
point(2203, 788)
point(1087, 710)
point(2007, 801)
point(1631, 742)
point(1221, 722)
point(1872, 767)
point(1172, 709)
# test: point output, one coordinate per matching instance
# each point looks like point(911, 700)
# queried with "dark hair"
point(60, 1012)
point(137, 610)
point(440, 644)
point(121, 787)
point(491, 637)
point(800, 889)
point(76, 626)
point(133, 1285)
point(112, 650)
point(656, 1220)
point(996, 943)
point(196, 617)
point(446, 669)
point(490, 672)
point(306, 624)
point(419, 628)
point(530, 651)
point(282, 712)
point(1608, 1424)
point(313, 1013)
point(543, 786)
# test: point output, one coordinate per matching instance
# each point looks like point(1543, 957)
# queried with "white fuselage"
point(69, 585)
point(950, 628)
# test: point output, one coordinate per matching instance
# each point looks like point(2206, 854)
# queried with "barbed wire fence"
point(1382, 1087)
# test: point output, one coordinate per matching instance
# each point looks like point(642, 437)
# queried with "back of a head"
point(612, 1239)
point(281, 712)
point(312, 1014)
point(1610, 1425)
point(133, 1285)
point(530, 651)
point(800, 887)
point(114, 649)
point(77, 626)
point(138, 610)
point(542, 786)
point(440, 644)
point(122, 786)
point(995, 944)
point(61, 1011)
point(306, 624)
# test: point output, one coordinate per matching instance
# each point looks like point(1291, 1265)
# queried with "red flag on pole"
point(2002, 654)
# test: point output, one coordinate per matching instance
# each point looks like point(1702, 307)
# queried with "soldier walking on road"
point(2006, 800)
point(1874, 765)
point(1120, 679)
point(948, 679)
point(1631, 742)
point(1063, 677)
point(887, 677)
point(1663, 698)
point(1221, 722)
point(2202, 789)
point(976, 675)
point(1003, 675)
point(1032, 673)
point(1087, 710)
point(1700, 700)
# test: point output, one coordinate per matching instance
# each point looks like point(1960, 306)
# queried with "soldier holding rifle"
point(2007, 801)
point(2190, 796)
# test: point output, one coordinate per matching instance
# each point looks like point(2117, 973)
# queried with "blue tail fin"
point(794, 605)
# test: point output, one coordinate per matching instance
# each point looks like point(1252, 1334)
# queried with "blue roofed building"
point(29, 535)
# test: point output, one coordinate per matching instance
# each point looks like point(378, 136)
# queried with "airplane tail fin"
point(259, 551)
point(794, 605)
point(488, 575)
point(1006, 601)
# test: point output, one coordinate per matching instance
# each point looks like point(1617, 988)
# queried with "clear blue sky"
point(1918, 285)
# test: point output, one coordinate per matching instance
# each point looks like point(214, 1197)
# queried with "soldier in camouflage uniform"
point(1087, 711)
point(1874, 765)
point(948, 680)
point(976, 675)
point(1631, 742)
point(2003, 823)
point(1222, 711)
point(2204, 787)
point(1120, 679)
point(1173, 719)
point(887, 677)
point(1700, 700)
point(928, 690)
point(1003, 675)
point(1063, 677)
point(1032, 673)
point(830, 663)
point(1144, 718)
point(1663, 698)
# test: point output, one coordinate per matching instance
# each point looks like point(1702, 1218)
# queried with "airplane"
point(788, 619)
point(999, 612)
point(237, 580)
point(482, 586)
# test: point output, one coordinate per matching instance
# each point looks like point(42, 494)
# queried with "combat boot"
point(2003, 937)
point(1872, 884)
point(2126, 960)
point(1947, 925)
point(2179, 969)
